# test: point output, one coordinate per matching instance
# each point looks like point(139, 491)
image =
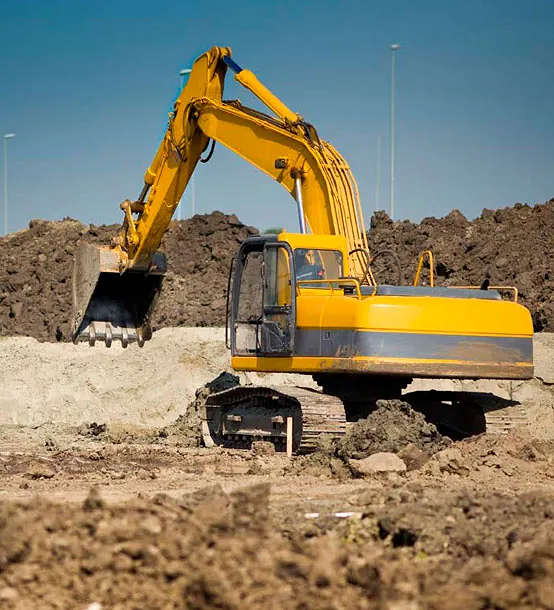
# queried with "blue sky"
point(87, 86)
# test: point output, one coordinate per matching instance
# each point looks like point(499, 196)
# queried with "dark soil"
point(391, 427)
point(411, 548)
point(512, 246)
point(36, 267)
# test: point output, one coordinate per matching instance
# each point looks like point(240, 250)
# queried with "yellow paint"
point(286, 149)
point(307, 364)
point(430, 315)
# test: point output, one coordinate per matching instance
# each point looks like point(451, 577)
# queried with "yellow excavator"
point(305, 302)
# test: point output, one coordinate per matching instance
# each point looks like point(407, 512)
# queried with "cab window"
point(314, 264)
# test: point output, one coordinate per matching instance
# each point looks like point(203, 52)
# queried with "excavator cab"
point(268, 272)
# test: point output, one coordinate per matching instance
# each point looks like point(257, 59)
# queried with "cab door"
point(278, 301)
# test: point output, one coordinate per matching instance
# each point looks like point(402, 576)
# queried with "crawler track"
point(236, 417)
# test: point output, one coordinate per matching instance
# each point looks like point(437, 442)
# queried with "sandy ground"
point(73, 384)
point(405, 541)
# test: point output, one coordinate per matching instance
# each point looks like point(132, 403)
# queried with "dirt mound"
point(512, 246)
point(392, 427)
point(35, 274)
point(187, 429)
point(491, 456)
point(211, 549)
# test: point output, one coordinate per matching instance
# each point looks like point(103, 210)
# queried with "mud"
point(35, 275)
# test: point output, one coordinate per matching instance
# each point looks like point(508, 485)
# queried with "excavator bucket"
point(109, 305)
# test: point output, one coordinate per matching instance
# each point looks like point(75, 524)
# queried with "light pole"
point(182, 74)
point(7, 136)
point(394, 48)
point(378, 173)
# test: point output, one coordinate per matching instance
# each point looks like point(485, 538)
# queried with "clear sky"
point(86, 86)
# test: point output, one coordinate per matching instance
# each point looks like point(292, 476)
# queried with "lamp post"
point(378, 173)
point(7, 136)
point(182, 74)
point(394, 48)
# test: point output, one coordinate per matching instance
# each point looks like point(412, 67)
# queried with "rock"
point(260, 448)
point(377, 463)
point(8, 594)
point(15, 310)
point(451, 460)
point(40, 470)
point(413, 457)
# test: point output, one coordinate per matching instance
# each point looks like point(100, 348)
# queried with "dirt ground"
point(106, 503)
point(98, 509)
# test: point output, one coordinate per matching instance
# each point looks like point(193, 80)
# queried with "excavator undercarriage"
point(236, 417)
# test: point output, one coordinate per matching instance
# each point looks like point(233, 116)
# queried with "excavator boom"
point(115, 288)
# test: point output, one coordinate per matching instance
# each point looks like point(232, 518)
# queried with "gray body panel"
point(348, 343)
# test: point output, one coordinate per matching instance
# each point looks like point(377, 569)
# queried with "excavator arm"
point(115, 288)
point(286, 148)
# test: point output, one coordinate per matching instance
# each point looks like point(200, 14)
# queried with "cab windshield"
point(313, 264)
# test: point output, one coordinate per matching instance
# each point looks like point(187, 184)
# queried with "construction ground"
point(107, 499)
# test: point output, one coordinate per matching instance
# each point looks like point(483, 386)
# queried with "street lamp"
point(378, 173)
point(394, 48)
point(182, 74)
point(7, 136)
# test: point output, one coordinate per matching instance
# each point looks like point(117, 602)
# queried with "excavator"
point(305, 302)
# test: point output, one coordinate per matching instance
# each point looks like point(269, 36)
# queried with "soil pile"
point(199, 252)
point(187, 429)
point(512, 246)
point(391, 427)
point(36, 268)
point(215, 550)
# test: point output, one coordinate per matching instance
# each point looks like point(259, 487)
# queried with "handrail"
point(330, 283)
point(512, 289)
point(431, 268)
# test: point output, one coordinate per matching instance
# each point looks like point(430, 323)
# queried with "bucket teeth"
point(108, 334)
point(91, 335)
